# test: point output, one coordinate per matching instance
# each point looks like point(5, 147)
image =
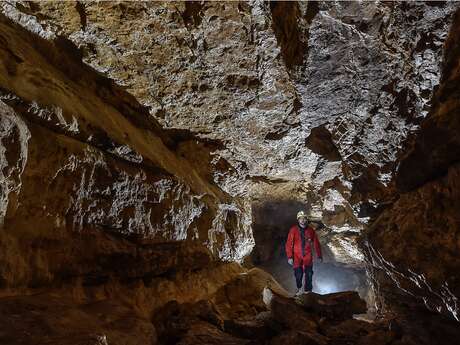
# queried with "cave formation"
point(153, 156)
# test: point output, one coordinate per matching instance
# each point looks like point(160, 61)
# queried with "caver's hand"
point(290, 262)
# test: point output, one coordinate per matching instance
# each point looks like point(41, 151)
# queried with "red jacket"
point(294, 246)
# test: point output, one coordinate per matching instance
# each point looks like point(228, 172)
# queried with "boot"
point(299, 291)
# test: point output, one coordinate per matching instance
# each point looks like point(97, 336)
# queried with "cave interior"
point(154, 155)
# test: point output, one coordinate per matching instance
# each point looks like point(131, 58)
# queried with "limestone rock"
point(84, 162)
point(290, 314)
point(340, 305)
point(310, 103)
point(255, 329)
point(204, 333)
point(272, 73)
point(47, 319)
point(413, 244)
point(242, 296)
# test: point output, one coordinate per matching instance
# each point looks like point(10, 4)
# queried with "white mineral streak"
point(55, 116)
point(132, 199)
point(367, 78)
point(357, 79)
point(345, 250)
point(8, 8)
point(13, 131)
point(332, 199)
point(233, 226)
point(420, 288)
point(329, 171)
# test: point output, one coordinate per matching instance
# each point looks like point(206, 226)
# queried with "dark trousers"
point(299, 272)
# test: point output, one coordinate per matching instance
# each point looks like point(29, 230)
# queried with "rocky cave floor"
point(251, 308)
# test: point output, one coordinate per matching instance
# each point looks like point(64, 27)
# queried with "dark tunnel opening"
point(271, 223)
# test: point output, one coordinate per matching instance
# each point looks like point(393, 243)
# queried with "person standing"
point(299, 247)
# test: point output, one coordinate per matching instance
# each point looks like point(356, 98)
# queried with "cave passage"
point(271, 222)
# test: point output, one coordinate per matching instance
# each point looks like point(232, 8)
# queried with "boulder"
point(293, 337)
point(289, 313)
point(205, 333)
point(339, 305)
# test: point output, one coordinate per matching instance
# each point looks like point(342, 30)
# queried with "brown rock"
point(353, 331)
point(309, 99)
point(57, 320)
point(277, 83)
point(339, 306)
point(413, 245)
point(205, 333)
point(288, 313)
point(298, 338)
point(242, 297)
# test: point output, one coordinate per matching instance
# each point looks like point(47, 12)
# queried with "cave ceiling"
point(312, 101)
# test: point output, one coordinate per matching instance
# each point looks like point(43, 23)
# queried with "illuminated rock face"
point(308, 102)
point(319, 94)
point(414, 243)
point(82, 159)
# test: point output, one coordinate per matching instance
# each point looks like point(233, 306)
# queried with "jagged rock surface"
point(262, 100)
point(278, 320)
point(414, 243)
point(321, 94)
point(81, 158)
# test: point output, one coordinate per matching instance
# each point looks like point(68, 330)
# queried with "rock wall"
point(322, 94)
point(105, 217)
point(83, 162)
point(259, 100)
point(414, 244)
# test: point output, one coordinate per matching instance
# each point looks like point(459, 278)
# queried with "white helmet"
point(301, 214)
